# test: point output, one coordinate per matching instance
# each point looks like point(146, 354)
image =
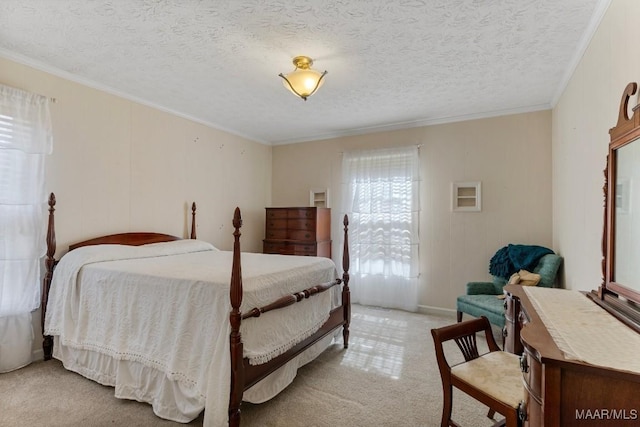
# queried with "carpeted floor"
point(387, 377)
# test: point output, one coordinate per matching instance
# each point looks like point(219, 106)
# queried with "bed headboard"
point(137, 238)
point(131, 239)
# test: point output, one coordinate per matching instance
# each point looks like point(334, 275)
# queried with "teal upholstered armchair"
point(482, 297)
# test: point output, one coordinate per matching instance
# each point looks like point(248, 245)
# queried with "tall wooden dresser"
point(298, 231)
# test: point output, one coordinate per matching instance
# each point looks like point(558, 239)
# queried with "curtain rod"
point(49, 98)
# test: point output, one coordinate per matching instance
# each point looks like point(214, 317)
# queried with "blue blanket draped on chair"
point(513, 258)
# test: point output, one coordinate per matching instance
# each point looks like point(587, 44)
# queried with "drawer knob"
point(524, 364)
point(522, 318)
point(504, 332)
point(504, 304)
point(522, 411)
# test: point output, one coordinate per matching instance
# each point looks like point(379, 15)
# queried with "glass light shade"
point(303, 83)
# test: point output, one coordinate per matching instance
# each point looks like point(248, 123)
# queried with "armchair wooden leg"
point(459, 316)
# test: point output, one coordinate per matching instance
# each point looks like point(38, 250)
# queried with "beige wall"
point(510, 155)
point(120, 166)
point(586, 111)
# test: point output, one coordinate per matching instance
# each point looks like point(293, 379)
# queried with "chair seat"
point(497, 373)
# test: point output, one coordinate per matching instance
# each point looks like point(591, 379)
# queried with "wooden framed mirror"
point(620, 290)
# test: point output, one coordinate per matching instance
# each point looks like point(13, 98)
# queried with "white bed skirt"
point(169, 399)
point(16, 341)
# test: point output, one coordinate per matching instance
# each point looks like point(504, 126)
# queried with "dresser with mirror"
point(581, 350)
point(620, 290)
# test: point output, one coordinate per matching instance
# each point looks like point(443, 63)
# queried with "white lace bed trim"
point(264, 358)
point(180, 377)
point(254, 359)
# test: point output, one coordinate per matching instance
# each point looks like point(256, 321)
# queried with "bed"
point(157, 317)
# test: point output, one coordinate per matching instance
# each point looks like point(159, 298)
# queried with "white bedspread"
point(166, 307)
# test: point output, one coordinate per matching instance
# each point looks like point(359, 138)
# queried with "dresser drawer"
point(277, 213)
point(276, 223)
point(289, 248)
point(304, 235)
point(300, 249)
point(533, 410)
point(275, 233)
point(532, 375)
point(532, 379)
point(509, 307)
point(300, 213)
point(301, 224)
point(509, 335)
point(277, 248)
point(512, 328)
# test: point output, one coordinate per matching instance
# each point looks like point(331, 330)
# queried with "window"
point(381, 190)
point(25, 139)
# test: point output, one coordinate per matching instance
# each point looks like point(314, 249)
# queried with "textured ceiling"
point(391, 64)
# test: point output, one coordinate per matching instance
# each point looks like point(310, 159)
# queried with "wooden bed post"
point(50, 262)
point(193, 220)
point(346, 293)
point(235, 318)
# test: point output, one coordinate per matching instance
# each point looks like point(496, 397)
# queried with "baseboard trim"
point(439, 311)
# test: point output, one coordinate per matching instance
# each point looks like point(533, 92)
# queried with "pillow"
point(514, 279)
point(524, 278)
point(528, 279)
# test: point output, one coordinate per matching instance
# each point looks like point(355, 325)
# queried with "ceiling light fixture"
point(303, 81)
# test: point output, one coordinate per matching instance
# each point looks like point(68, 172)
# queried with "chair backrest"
point(547, 268)
point(464, 334)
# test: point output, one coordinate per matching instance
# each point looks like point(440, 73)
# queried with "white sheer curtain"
point(25, 139)
point(381, 197)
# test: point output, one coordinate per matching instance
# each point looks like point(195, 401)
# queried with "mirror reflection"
point(627, 205)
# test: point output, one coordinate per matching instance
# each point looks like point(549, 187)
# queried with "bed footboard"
point(245, 375)
point(288, 300)
point(346, 292)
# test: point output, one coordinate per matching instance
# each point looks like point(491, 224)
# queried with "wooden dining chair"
point(493, 378)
